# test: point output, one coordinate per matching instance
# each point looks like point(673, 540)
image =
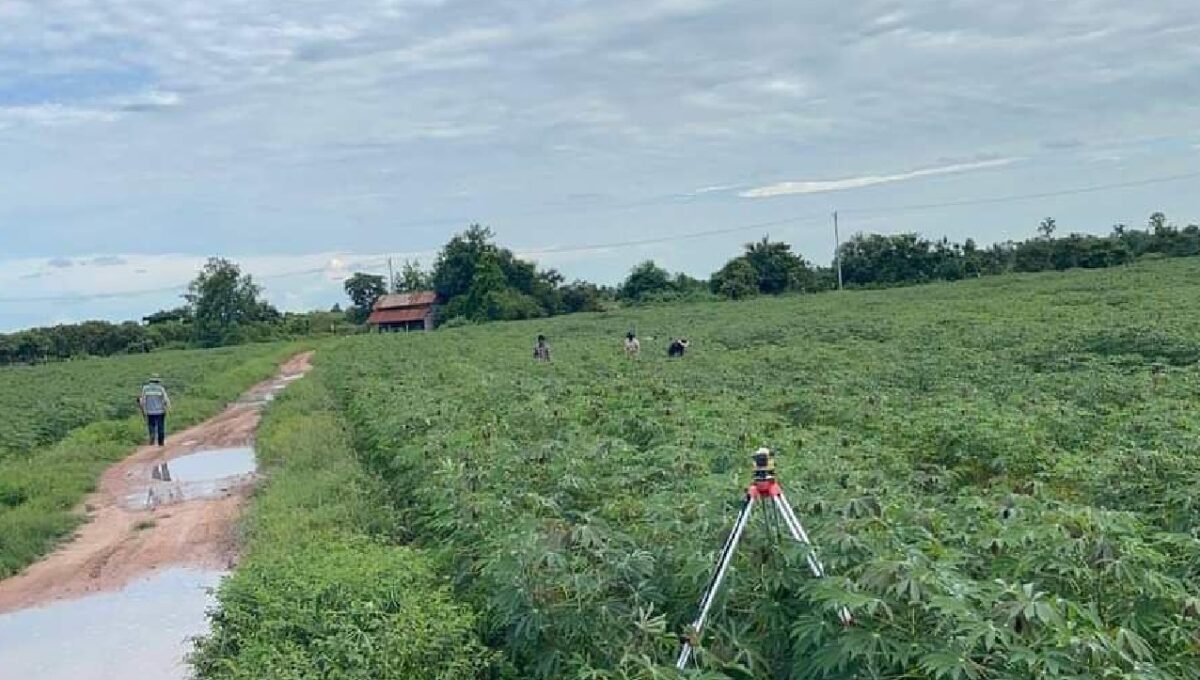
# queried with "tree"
point(224, 304)
point(456, 263)
point(736, 280)
point(490, 298)
point(363, 290)
point(777, 267)
point(480, 281)
point(644, 281)
point(581, 296)
point(1047, 227)
point(878, 259)
point(412, 278)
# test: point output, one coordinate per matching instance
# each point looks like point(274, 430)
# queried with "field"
point(39, 405)
point(1001, 476)
point(62, 424)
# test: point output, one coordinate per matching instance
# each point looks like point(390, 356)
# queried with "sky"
point(307, 139)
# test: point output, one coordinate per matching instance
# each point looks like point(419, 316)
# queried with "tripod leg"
point(714, 584)
point(797, 531)
point(801, 536)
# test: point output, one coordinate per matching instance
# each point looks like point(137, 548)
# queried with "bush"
point(349, 609)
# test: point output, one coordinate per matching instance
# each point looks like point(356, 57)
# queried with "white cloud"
point(788, 87)
point(52, 115)
point(713, 189)
point(154, 100)
point(820, 186)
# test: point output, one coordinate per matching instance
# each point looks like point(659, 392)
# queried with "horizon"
point(344, 270)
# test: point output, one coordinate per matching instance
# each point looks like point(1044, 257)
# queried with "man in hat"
point(155, 403)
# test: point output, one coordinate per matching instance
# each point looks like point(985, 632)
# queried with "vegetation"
point(1000, 476)
point(39, 405)
point(877, 261)
point(411, 278)
point(766, 268)
point(86, 408)
point(320, 593)
point(225, 304)
point(363, 290)
point(223, 308)
point(478, 281)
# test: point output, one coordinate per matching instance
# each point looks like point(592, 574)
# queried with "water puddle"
point(203, 474)
point(212, 465)
point(141, 631)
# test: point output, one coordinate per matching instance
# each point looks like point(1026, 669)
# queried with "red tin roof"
point(397, 300)
point(382, 316)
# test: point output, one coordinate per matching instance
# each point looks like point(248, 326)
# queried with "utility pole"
point(837, 249)
point(391, 285)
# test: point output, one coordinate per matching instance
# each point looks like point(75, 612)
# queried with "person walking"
point(155, 403)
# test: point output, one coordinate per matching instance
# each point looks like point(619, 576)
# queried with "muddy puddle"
point(212, 464)
point(140, 631)
point(210, 473)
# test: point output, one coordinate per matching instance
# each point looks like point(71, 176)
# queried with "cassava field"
point(1001, 476)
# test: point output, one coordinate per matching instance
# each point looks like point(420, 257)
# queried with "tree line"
point(477, 280)
point(222, 306)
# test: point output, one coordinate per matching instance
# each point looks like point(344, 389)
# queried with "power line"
point(1013, 198)
point(663, 239)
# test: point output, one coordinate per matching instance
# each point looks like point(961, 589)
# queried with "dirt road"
point(138, 523)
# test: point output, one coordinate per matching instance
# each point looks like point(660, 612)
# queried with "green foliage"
point(765, 267)
point(169, 329)
point(1000, 476)
point(736, 280)
point(39, 405)
point(41, 486)
point(480, 281)
point(320, 593)
point(412, 278)
point(645, 281)
point(581, 296)
point(363, 290)
point(224, 304)
point(877, 260)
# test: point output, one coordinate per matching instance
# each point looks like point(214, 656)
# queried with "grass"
point(1000, 475)
point(322, 592)
point(40, 489)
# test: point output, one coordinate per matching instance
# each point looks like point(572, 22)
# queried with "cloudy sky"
point(307, 138)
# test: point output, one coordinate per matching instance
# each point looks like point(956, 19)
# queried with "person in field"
point(155, 403)
point(632, 346)
point(541, 351)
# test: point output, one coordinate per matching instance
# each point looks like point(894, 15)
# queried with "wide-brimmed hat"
point(154, 377)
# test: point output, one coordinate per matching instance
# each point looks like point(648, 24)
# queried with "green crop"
point(1001, 476)
point(86, 409)
point(39, 405)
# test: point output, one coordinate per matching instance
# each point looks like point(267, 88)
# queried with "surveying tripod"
point(766, 488)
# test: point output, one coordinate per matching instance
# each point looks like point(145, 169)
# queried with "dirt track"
point(124, 538)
